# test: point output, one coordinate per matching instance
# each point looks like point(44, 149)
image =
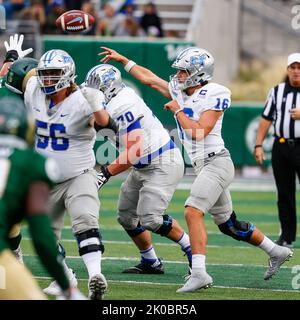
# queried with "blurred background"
point(249, 39)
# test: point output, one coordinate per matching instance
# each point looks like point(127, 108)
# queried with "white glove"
point(15, 43)
point(94, 97)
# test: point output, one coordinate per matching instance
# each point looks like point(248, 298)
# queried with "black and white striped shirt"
point(280, 100)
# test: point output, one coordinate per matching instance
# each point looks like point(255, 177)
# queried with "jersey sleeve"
point(270, 106)
point(127, 116)
point(218, 99)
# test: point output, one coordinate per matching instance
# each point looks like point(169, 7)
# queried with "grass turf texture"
point(236, 267)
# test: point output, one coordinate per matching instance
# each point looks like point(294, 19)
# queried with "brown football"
point(75, 21)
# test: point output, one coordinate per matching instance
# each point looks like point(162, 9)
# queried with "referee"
point(283, 110)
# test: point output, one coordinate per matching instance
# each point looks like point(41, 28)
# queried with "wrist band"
point(129, 65)
point(258, 146)
point(176, 112)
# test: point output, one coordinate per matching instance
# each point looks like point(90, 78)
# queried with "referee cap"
point(294, 57)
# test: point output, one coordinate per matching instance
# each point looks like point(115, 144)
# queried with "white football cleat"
point(54, 289)
point(97, 287)
point(278, 256)
point(197, 281)
point(18, 254)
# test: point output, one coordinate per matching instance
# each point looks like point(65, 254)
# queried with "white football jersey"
point(126, 108)
point(212, 96)
point(63, 131)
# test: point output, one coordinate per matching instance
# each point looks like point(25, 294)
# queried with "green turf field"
point(237, 268)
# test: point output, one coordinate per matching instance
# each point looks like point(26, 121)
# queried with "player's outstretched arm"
point(142, 74)
point(14, 51)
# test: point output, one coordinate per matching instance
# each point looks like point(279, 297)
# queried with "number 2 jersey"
point(63, 131)
point(130, 112)
point(211, 96)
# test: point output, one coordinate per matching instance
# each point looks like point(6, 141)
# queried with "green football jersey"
point(19, 168)
point(4, 92)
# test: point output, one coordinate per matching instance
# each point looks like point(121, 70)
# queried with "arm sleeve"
point(29, 92)
point(270, 106)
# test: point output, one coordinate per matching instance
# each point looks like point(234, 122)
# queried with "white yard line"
point(172, 261)
point(179, 284)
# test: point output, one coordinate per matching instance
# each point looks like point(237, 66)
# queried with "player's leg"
point(246, 231)
point(83, 205)
point(128, 218)
point(16, 282)
point(159, 184)
point(213, 177)
point(57, 212)
point(14, 239)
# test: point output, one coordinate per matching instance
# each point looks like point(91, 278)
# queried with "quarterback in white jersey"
point(65, 117)
point(198, 108)
point(156, 168)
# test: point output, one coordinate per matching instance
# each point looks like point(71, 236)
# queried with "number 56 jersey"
point(211, 96)
point(62, 131)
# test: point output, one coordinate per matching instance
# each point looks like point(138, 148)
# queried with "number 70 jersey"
point(212, 96)
point(63, 131)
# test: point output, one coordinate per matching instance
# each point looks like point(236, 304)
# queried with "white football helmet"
point(56, 71)
point(199, 65)
point(109, 80)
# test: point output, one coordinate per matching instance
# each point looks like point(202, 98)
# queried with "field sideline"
point(237, 268)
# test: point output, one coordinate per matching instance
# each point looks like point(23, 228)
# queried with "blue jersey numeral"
point(189, 112)
point(128, 116)
point(57, 143)
point(222, 106)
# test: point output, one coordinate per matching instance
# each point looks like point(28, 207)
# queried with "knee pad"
point(135, 232)
point(239, 230)
point(166, 227)
point(15, 242)
point(89, 241)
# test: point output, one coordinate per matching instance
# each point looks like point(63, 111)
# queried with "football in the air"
point(75, 21)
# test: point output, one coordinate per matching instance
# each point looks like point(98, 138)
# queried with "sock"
point(184, 242)
point(149, 254)
point(267, 245)
point(92, 261)
point(198, 262)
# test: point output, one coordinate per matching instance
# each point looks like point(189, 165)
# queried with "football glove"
point(94, 97)
point(93, 81)
point(14, 48)
point(103, 176)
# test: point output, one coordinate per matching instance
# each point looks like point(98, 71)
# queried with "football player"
point(65, 118)
point(198, 107)
point(156, 167)
point(14, 52)
point(25, 180)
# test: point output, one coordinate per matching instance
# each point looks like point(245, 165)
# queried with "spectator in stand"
point(35, 11)
point(151, 19)
point(89, 7)
point(54, 9)
point(110, 21)
point(13, 8)
point(73, 4)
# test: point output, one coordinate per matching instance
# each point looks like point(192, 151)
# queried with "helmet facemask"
point(54, 79)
